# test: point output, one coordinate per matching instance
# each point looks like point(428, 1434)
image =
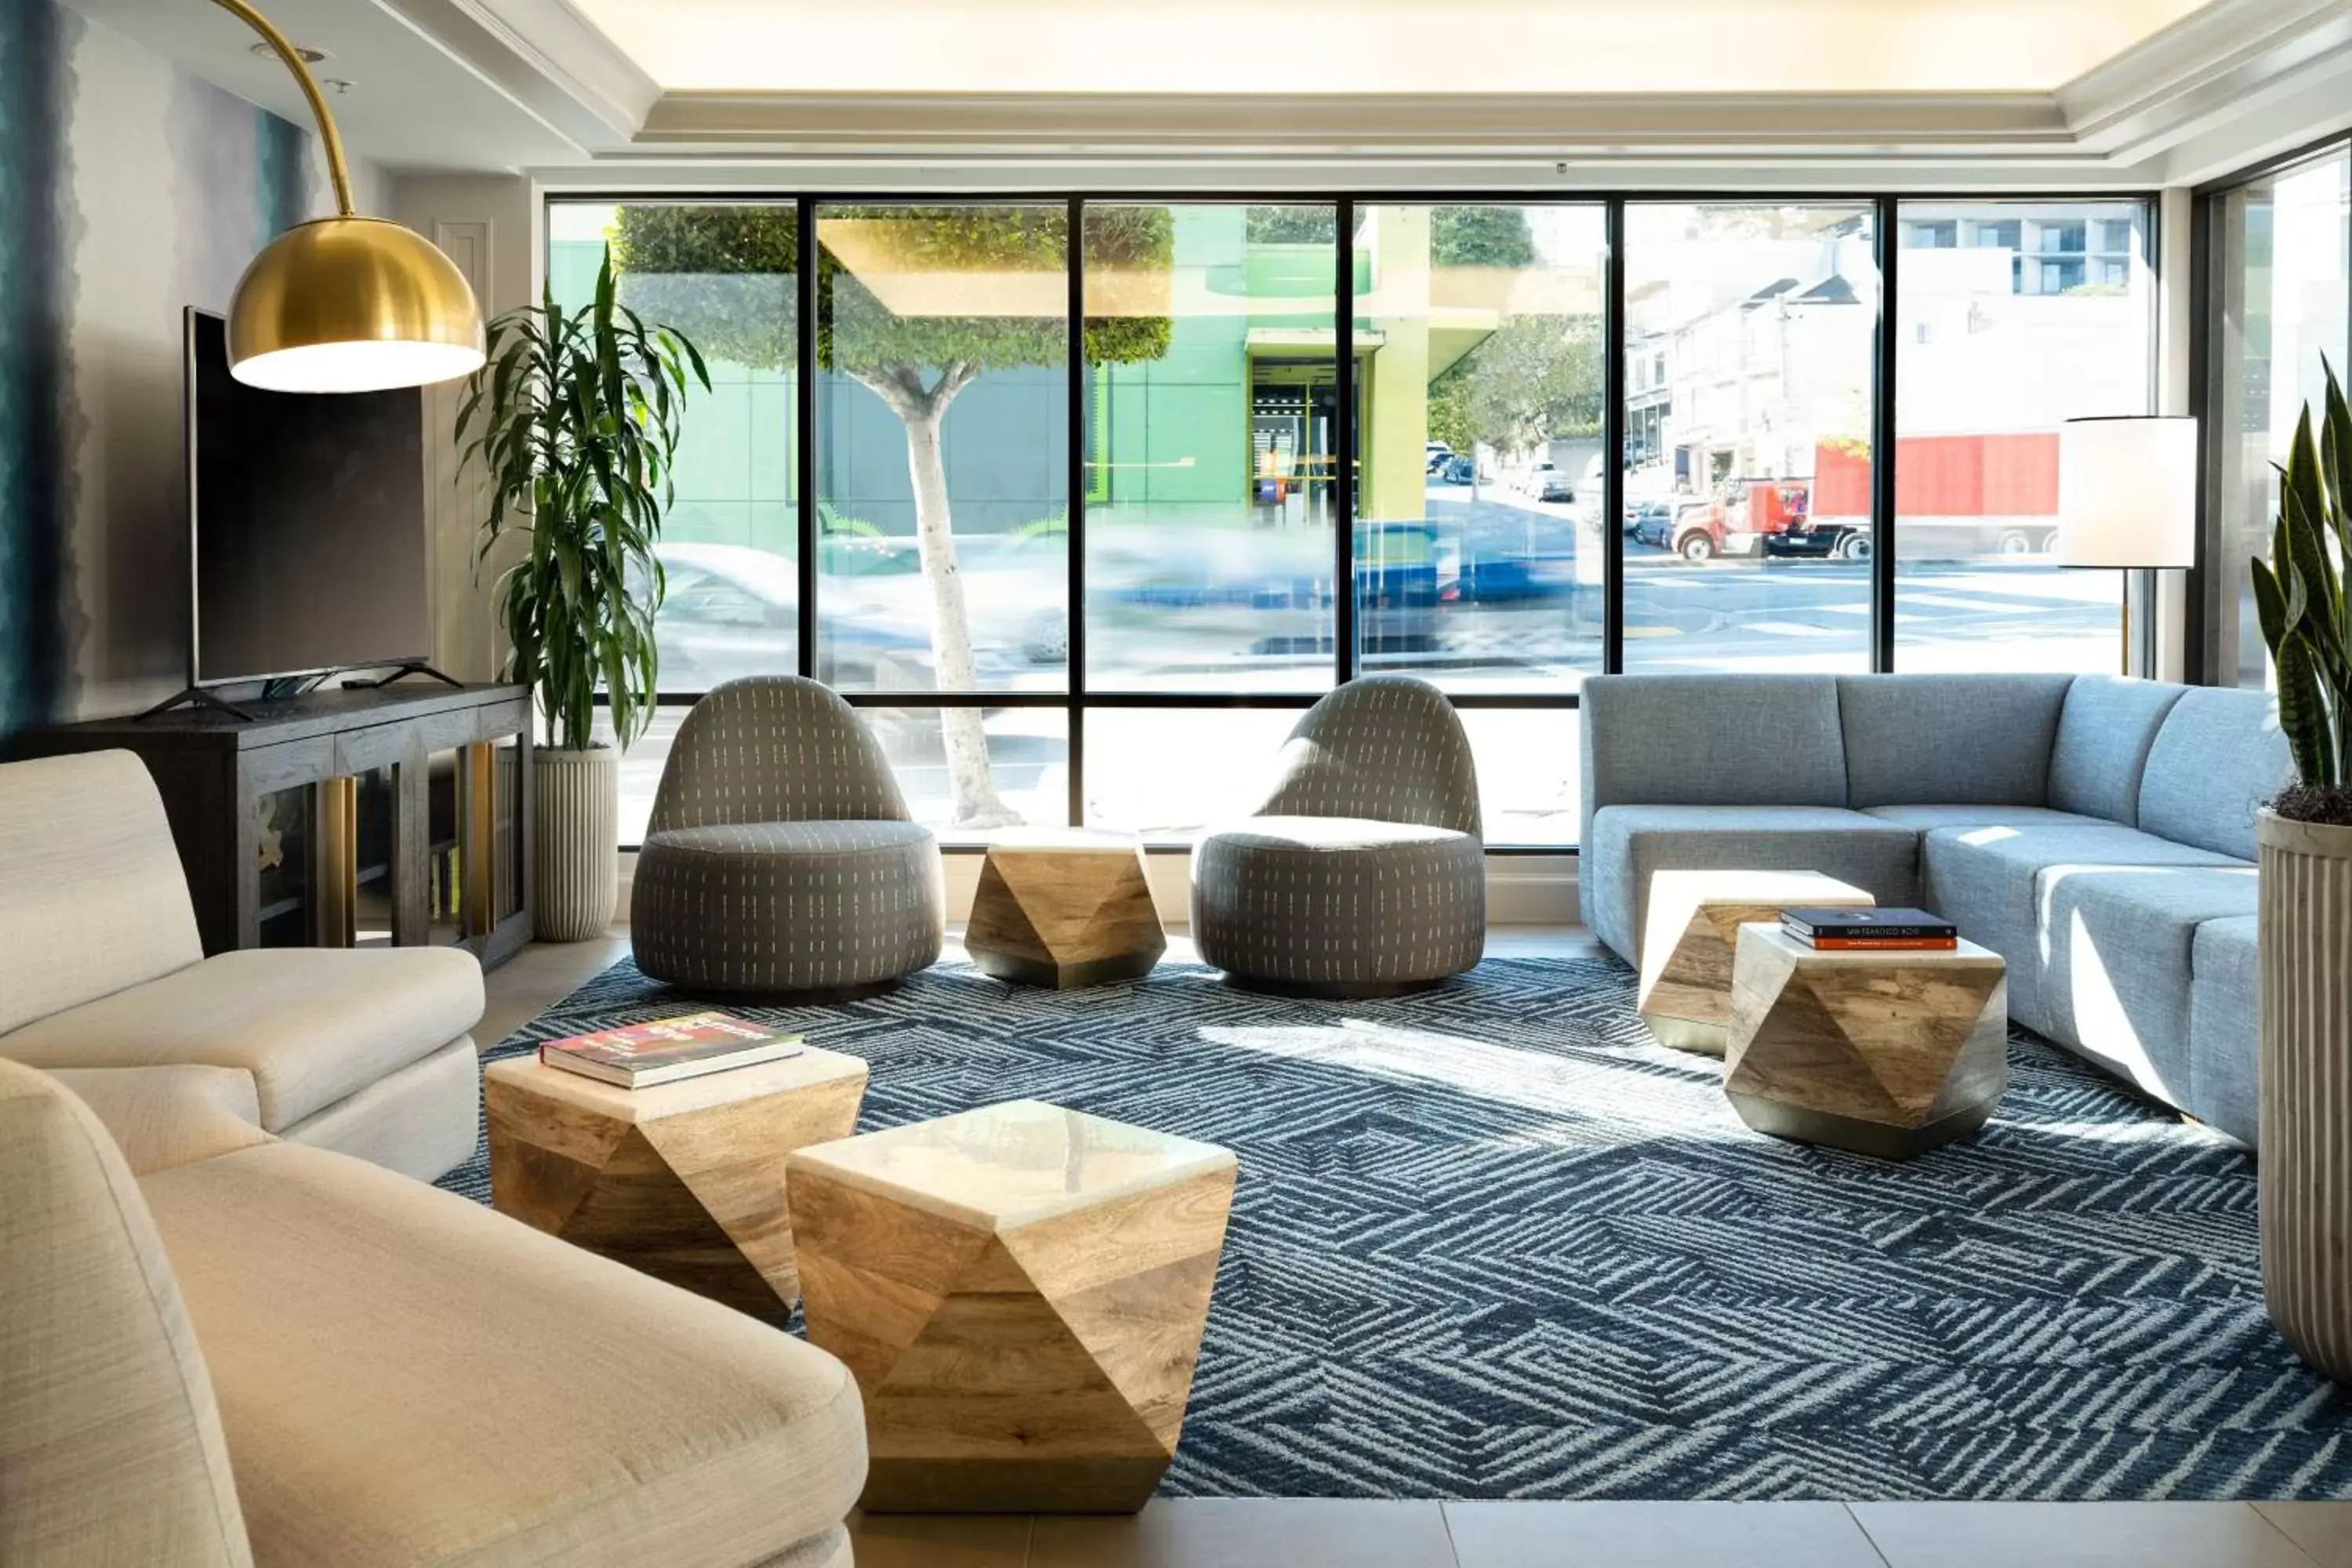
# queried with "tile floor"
point(1327, 1533)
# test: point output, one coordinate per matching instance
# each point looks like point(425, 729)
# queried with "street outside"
point(1166, 773)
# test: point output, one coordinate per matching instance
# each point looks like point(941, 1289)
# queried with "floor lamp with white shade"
point(2127, 498)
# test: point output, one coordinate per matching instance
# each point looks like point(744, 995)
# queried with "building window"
point(2281, 279)
point(1938, 234)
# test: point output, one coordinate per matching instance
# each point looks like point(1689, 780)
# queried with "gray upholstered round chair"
point(1363, 873)
point(779, 858)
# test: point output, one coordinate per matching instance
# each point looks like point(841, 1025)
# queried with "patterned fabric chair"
point(1363, 873)
point(779, 858)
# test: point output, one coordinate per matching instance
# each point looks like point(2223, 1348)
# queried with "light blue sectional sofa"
point(2097, 833)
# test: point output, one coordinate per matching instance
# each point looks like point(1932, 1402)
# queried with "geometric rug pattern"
point(1490, 1241)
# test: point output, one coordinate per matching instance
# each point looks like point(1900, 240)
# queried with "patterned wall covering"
point(128, 191)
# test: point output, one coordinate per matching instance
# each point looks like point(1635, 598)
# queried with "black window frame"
point(1076, 697)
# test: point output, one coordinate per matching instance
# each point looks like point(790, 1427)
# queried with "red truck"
point(1962, 495)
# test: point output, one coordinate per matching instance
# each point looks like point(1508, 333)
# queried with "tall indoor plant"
point(575, 421)
point(2306, 604)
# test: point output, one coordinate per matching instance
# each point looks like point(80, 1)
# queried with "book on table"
point(1875, 930)
point(669, 1049)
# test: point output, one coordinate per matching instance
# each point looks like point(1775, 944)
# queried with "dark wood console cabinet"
point(406, 808)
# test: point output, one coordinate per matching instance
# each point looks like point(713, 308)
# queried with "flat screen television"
point(307, 522)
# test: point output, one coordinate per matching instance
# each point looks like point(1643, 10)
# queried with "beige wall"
point(489, 225)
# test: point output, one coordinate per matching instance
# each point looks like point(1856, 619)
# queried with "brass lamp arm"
point(328, 135)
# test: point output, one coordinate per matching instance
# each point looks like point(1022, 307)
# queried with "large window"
point(1081, 502)
point(1747, 523)
point(2280, 272)
point(1985, 373)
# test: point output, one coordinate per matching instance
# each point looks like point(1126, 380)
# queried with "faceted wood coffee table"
point(1063, 907)
point(1885, 1053)
point(684, 1181)
point(1019, 1291)
point(1694, 919)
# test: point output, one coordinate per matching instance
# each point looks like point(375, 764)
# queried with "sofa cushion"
point(311, 1025)
point(1629, 843)
point(1926, 818)
point(1968, 739)
point(92, 895)
point(406, 1377)
point(2115, 974)
point(2225, 1051)
point(111, 1447)
point(2100, 756)
point(2218, 757)
point(1986, 881)
point(1711, 740)
point(162, 1117)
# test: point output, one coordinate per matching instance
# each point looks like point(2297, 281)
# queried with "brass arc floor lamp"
point(347, 303)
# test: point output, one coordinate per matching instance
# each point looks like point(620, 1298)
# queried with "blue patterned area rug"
point(1490, 1241)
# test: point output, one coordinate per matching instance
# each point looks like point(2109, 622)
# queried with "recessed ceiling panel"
point(1377, 46)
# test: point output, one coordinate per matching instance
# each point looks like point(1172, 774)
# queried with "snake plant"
point(2305, 606)
point(575, 418)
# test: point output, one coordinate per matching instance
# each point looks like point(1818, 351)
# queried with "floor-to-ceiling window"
point(2015, 317)
point(1747, 520)
point(1088, 498)
point(2278, 307)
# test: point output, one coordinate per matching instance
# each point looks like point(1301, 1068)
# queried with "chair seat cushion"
point(1339, 901)
point(313, 1025)
point(1632, 843)
point(1987, 881)
point(788, 906)
point(406, 1377)
point(2118, 945)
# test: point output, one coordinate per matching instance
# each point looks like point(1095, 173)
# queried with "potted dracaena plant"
point(575, 419)
point(2305, 835)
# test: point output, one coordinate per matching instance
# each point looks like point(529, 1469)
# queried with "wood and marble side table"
point(1686, 946)
point(1019, 1291)
point(683, 1181)
point(1063, 907)
point(1884, 1052)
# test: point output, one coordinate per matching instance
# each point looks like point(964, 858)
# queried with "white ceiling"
point(1376, 46)
point(1100, 94)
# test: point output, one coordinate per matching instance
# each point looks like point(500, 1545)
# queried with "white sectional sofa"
point(366, 1052)
point(2097, 833)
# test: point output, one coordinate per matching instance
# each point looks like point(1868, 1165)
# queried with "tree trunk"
point(977, 803)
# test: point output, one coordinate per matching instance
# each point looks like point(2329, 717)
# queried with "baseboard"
point(1521, 889)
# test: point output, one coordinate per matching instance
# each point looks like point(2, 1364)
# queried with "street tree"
point(939, 297)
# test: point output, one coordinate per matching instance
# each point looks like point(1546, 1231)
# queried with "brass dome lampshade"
point(347, 303)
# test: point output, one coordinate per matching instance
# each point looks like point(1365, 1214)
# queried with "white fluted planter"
point(2306, 1148)
point(576, 841)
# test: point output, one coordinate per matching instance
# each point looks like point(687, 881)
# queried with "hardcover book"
point(668, 1049)
point(1819, 926)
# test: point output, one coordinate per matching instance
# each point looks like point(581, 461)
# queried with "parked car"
point(1829, 541)
point(1551, 484)
point(1434, 455)
point(1459, 470)
point(1649, 522)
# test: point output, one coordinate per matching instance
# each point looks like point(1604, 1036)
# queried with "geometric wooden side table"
point(683, 1181)
point(1686, 950)
point(1063, 907)
point(1020, 1292)
point(1884, 1052)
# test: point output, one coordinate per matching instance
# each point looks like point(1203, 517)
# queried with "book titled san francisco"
point(1863, 930)
point(669, 1049)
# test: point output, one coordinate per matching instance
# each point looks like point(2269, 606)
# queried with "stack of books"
point(669, 1049)
point(1865, 930)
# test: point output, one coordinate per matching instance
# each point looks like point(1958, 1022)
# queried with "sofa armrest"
point(165, 1116)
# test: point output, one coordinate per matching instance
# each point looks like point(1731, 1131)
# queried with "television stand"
point(410, 666)
point(297, 811)
point(196, 697)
